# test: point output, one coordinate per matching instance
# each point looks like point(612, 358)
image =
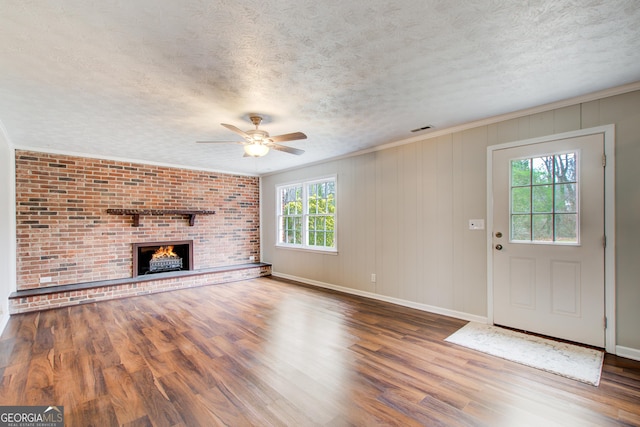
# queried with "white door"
point(548, 238)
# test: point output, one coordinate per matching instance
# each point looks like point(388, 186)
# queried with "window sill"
point(308, 249)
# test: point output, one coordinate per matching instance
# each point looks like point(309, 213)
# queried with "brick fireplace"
point(65, 236)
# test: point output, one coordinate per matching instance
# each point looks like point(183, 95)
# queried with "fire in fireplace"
point(159, 257)
point(164, 259)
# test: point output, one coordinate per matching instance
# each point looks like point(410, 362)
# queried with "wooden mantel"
point(136, 213)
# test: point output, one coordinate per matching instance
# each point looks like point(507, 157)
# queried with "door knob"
point(499, 247)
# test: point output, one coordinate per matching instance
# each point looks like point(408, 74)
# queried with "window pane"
point(311, 206)
point(321, 223)
point(565, 198)
point(521, 227)
point(565, 167)
point(520, 172)
point(521, 200)
point(317, 238)
point(321, 198)
point(329, 237)
point(543, 198)
point(298, 201)
point(331, 197)
point(318, 227)
point(292, 201)
point(566, 228)
point(298, 230)
point(322, 205)
point(292, 230)
point(543, 228)
point(542, 170)
point(321, 208)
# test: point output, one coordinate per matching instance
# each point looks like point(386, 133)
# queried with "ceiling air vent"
point(422, 128)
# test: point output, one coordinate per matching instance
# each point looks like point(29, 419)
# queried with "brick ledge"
point(128, 280)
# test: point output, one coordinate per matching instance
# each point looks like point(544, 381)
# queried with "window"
point(544, 199)
point(307, 215)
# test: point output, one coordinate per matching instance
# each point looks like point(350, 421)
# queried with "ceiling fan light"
point(256, 150)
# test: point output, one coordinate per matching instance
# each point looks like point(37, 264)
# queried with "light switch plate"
point(476, 224)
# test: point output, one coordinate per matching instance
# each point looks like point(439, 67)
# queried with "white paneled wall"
point(402, 215)
point(404, 212)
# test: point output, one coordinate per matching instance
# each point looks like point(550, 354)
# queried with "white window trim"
point(305, 235)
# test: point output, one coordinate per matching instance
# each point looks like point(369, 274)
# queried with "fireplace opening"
point(160, 257)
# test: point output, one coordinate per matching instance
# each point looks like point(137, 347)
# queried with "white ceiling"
point(145, 79)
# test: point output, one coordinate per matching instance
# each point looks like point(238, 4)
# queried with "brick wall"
point(64, 232)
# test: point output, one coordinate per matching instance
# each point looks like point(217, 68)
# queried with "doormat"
point(568, 360)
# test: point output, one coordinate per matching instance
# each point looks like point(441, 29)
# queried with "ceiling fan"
point(258, 142)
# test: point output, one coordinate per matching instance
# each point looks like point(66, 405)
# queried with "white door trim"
point(609, 223)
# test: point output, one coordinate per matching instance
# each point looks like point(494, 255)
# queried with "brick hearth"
point(82, 293)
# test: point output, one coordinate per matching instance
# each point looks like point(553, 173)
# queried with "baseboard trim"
point(629, 353)
point(392, 300)
point(3, 321)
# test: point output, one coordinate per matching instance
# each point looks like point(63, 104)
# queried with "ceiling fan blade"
point(288, 137)
point(232, 128)
point(286, 149)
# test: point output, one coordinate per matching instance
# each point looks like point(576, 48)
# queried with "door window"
point(544, 199)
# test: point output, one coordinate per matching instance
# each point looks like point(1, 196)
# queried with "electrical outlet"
point(252, 258)
point(476, 224)
point(373, 277)
point(45, 280)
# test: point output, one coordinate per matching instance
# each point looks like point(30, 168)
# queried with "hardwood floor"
point(266, 352)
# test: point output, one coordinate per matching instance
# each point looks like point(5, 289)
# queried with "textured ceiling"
point(145, 79)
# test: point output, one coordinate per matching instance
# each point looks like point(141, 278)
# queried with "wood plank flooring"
point(266, 352)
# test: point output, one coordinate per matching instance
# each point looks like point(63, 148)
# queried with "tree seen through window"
point(307, 214)
point(544, 201)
